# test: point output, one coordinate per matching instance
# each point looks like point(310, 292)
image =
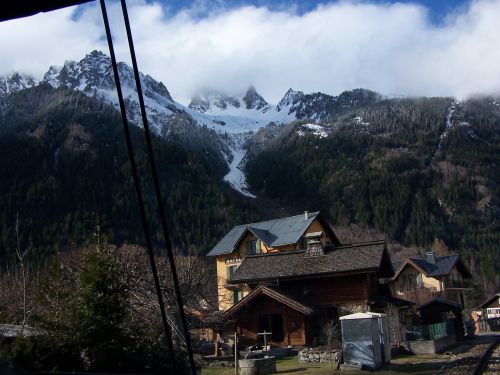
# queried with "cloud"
point(390, 48)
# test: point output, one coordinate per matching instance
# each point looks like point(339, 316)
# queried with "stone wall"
point(431, 346)
point(220, 361)
point(257, 366)
point(313, 355)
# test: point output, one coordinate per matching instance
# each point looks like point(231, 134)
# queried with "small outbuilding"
point(441, 310)
point(491, 312)
point(365, 340)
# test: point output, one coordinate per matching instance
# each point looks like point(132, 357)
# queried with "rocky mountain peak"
point(199, 103)
point(211, 100)
point(290, 98)
point(253, 100)
point(15, 82)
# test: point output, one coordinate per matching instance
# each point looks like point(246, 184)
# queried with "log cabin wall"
point(333, 291)
point(293, 323)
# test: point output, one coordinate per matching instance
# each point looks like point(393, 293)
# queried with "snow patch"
point(444, 134)
point(314, 129)
point(236, 176)
point(358, 120)
point(449, 121)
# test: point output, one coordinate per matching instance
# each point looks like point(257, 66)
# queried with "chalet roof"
point(489, 301)
point(396, 264)
point(443, 265)
point(382, 300)
point(440, 301)
point(340, 259)
point(277, 232)
point(274, 293)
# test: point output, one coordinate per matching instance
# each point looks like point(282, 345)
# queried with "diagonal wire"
point(161, 208)
point(138, 192)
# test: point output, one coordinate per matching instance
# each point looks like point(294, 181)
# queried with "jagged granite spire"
point(15, 82)
point(253, 100)
point(291, 97)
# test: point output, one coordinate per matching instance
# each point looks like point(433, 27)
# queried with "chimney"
point(306, 215)
point(430, 257)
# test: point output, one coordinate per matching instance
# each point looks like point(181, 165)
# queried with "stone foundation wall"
point(431, 346)
point(312, 355)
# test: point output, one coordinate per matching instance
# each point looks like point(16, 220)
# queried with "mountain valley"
point(420, 170)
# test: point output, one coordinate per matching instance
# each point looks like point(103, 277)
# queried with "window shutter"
point(257, 250)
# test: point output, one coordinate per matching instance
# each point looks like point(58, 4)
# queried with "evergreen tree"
point(100, 310)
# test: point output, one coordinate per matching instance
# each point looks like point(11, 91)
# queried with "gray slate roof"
point(277, 232)
point(347, 258)
point(396, 264)
point(442, 267)
point(489, 301)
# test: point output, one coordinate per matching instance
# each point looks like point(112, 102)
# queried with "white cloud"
point(393, 49)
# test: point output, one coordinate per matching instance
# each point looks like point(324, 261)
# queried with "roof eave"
point(413, 264)
point(272, 294)
point(306, 276)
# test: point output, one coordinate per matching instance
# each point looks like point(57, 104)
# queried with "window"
point(253, 247)
point(493, 312)
point(237, 296)
point(230, 271)
point(302, 245)
point(420, 281)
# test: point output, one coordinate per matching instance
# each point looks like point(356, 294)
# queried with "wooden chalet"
point(421, 279)
point(290, 276)
point(490, 312)
point(492, 306)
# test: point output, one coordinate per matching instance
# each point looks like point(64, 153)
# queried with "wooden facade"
point(286, 325)
point(329, 297)
point(227, 295)
point(293, 288)
point(421, 280)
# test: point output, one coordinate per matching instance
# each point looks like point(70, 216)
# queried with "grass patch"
point(417, 365)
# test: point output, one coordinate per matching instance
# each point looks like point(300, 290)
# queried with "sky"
point(411, 48)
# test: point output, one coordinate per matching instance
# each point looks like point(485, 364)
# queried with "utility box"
point(365, 340)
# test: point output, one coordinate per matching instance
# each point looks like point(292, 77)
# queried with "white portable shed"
point(365, 339)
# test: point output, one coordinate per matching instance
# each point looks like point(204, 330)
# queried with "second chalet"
point(290, 276)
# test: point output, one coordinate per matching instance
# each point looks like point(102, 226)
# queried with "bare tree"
point(331, 331)
point(394, 323)
point(21, 255)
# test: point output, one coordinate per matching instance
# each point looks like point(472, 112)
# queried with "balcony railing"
point(430, 331)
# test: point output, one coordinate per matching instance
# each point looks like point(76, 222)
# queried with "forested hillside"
point(416, 169)
point(64, 168)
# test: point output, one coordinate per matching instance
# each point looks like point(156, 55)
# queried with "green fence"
point(430, 331)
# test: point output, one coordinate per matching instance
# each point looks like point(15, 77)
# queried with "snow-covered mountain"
point(235, 114)
point(233, 119)
point(93, 75)
point(15, 82)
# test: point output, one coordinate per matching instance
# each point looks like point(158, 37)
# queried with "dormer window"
point(253, 247)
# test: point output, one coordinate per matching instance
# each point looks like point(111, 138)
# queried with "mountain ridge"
point(417, 169)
